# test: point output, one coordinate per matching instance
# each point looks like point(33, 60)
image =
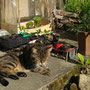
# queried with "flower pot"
point(84, 43)
point(13, 41)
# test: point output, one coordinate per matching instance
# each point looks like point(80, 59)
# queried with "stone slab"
point(36, 81)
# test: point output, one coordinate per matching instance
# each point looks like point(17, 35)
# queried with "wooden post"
point(60, 4)
point(47, 6)
point(19, 14)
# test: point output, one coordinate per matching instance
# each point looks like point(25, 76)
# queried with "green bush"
point(82, 8)
point(75, 6)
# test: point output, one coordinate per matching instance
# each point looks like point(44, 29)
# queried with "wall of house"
point(29, 8)
point(0, 14)
point(26, 8)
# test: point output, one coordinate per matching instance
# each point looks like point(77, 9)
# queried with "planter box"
point(47, 27)
point(84, 43)
point(10, 43)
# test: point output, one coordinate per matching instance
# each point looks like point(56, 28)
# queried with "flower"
point(78, 10)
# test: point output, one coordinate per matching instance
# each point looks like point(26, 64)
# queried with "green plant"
point(23, 28)
point(72, 5)
point(37, 18)
point(38, 24)
point(30, 24)
point(82, 8)
point(85, 63)
point(39, 31)
point(46, 32)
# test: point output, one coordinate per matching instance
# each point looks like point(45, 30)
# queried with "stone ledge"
point(36, 81)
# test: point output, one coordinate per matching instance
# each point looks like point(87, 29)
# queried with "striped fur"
point(36, 56)
point(10, 67)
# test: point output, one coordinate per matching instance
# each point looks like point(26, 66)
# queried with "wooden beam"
point(19, 14)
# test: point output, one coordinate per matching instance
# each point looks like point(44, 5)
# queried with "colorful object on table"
point(64, 49)
point(24, 35)
point(58, 45)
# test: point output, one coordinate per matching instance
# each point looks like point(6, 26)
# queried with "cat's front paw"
point(4, 82)
point(22, 74)
point(13, 77)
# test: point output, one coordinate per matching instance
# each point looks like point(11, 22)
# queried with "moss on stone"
point(61, 81)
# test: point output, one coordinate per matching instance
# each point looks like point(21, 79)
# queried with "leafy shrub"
point(81, 7)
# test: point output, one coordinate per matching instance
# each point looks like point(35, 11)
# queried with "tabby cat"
point(10, 67)
point(35, 57)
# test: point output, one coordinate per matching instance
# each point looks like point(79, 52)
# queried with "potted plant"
point(82, 26)
point(85, 64)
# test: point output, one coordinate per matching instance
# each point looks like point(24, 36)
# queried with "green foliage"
point(72, 5)
point(82, 8)
point(85, 67)
point(37, 18)
point(34, 23)
point(46, 32)
point(39, 31)
point(23, 27)
point(82, 60)
point(75, 6)
point(38, 24)
point(88, 61)
point(31, 23)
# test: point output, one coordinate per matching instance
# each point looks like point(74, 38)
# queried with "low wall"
point(63, 82)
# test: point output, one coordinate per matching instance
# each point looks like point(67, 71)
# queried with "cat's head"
point(41, 52)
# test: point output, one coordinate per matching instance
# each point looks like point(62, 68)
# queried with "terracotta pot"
point(84, 43)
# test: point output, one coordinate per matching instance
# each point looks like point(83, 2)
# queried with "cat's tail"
point(3, 81)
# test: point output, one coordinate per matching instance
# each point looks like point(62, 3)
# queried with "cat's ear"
point(34, 50)
point(49, 48)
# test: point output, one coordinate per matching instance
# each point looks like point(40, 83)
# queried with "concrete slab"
point(36, 81)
